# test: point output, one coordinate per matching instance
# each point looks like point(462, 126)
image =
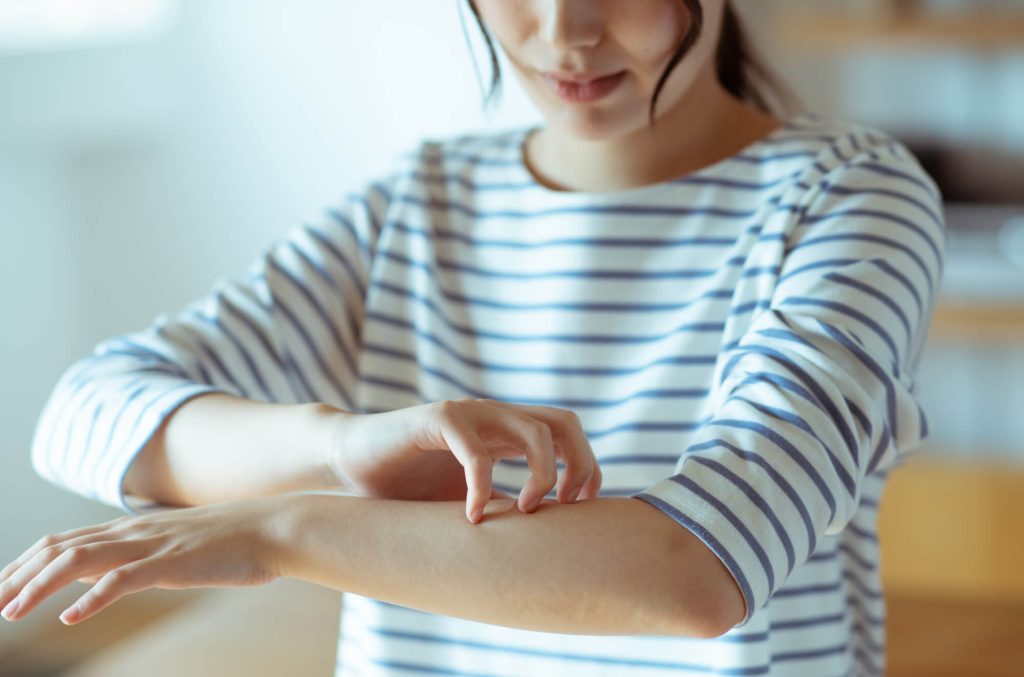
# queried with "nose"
point(569, 24)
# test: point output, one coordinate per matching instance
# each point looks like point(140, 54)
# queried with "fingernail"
point(474, 516)
point(575, 493)
point(70, 615)
point(11, 609)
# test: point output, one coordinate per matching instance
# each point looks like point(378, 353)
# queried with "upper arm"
point(819, 390)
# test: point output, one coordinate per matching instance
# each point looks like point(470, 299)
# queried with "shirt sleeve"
point(818, 392)
point(288, 333)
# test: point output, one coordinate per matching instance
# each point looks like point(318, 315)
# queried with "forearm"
point(217, 447)
point(604, 566)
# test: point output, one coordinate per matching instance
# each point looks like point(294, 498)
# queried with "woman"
point(728, 306)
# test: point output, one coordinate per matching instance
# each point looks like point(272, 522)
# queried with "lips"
point(583, 88)
point(579, 78)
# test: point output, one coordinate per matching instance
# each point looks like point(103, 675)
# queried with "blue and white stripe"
point(740, 345)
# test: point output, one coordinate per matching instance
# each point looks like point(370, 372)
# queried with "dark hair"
point(735, 62)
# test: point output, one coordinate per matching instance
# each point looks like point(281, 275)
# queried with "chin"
point(594, 126)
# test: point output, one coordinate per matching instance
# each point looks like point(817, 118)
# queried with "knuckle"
point(448, 411)
point(541, 433)
point(75, 554)
point(46, 541)
point(570, 417)
point(52, 552)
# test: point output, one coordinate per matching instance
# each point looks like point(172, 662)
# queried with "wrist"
point(280, 528)
point(329, 424)
point(293, 535)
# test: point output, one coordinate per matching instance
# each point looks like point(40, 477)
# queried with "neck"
point(706, 126)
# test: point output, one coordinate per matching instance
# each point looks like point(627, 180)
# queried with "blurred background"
point(149, 147)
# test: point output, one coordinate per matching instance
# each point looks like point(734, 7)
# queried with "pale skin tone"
point(411, 531)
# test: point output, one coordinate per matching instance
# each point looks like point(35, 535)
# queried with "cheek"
point(510, 21)
point(649, 30)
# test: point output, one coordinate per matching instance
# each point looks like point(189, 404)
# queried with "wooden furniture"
point(954, 528)
point(978, 31)
point(952, 537)
point(864, 24)
point(980, 322)
point(952, 542)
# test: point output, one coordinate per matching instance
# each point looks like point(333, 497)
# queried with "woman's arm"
point(603, 566)
point(218, 447)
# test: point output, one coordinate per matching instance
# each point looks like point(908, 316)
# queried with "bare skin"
point(418, 554)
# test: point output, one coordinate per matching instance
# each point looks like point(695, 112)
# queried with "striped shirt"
point(740, 345)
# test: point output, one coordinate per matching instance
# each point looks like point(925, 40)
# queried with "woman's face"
point(630, 39)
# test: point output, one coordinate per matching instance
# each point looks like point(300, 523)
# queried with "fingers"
point(48, 541)
point(582, 476)
point(36, 558)
point(593, 485)
point(73, 562)
point(111, 587)
point(543, 433)
point(537, 441)
point(469, 449)
point(580, 463)
point(540, 457)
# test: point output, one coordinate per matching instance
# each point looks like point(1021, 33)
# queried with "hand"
point(221, 545)
point(446, 451)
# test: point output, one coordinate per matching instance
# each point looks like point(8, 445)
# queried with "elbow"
point(708, 601)
point(710, 617)
point(700, 611)
point(700, 619)
point(694, 594)
point(722, 614)
point(728, 607)
point(705, 618)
